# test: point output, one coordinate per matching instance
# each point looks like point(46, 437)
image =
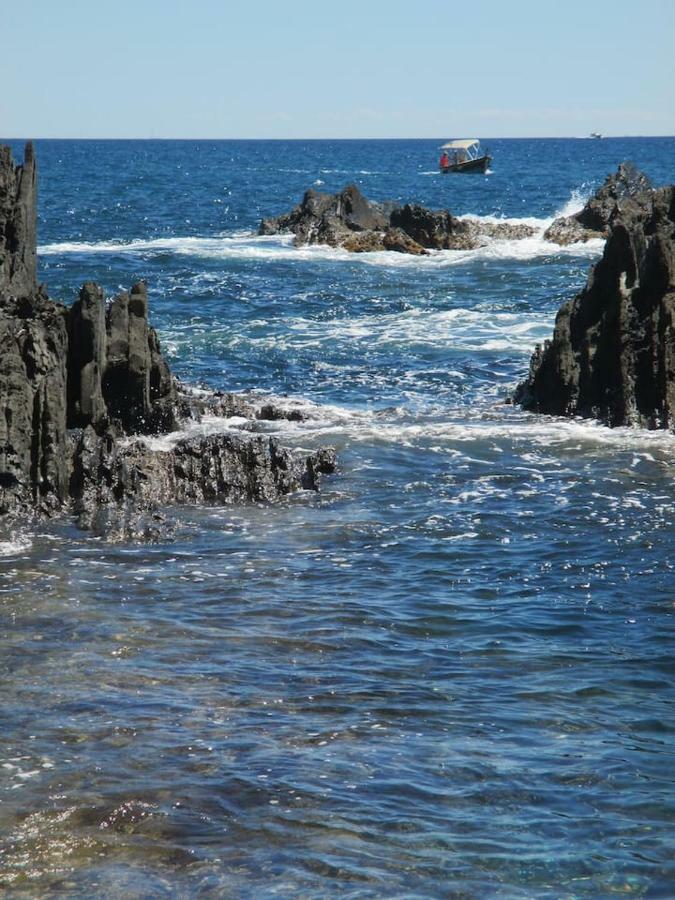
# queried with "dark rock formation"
point(594, 219)
point(428, 228)
point(350, 221)
point(87, 357)
point(118, 489)
point(439, 230)
point(33, 447)
point(137, 385)
point(329, 218)
point(116, 372)
point(77, 384)
point(18, 223)
point(612, 356)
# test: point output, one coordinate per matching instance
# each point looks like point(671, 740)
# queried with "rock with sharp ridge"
point(329, 218)
point(139, 390)
point(76, 383)
point(87, 358)
point(120, 490)
point(612, 355)
point(18, 223)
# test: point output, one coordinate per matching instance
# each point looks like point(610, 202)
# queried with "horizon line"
point(557, 137)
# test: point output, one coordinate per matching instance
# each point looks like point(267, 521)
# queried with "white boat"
point(463, 156)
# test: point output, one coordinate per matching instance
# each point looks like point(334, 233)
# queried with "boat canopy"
point(460, 145)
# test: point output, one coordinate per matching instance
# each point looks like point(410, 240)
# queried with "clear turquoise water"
point(449, 674)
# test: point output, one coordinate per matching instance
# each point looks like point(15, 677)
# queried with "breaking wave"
point(494, 425)
point(257, 247)
point(249, 245)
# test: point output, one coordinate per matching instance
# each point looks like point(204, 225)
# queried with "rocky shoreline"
point(79, 386)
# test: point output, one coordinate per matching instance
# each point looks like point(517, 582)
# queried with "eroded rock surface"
point(350, 221)
point(612, 356)
point(118, 487)
point(18, 223)
point(34, 466)
point(79, 385)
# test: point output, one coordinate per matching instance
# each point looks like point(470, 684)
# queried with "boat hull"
point(469, 165)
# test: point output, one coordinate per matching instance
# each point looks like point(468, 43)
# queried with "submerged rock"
point(594, 219)
point(612, 356)
point(77, 384)
point(350, 221)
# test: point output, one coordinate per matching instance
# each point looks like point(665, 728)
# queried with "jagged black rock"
point(76, 383)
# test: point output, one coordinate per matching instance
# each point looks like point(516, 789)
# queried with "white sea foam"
point(533, 221)
point(248, 245)
point(209, 425)
point(263, 247)
point(533, 430)
point(576, 202)
point(350, 172)
point(14, 546)
point(456, 329)
point(497, 426)
point(316, 418)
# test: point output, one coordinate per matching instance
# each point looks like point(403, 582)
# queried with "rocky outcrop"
point(594, 219)
point(87, 357)
point(118, 489)
point(330, 218)
point(612, 356)
point(18, 223)
point(439, 230)
point(34, 469)
point(350, 221)
point(79, 385)
point(116, 370)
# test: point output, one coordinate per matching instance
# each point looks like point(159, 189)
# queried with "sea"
point(448, 674)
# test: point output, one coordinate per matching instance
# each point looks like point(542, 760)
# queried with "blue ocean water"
point(450, 674)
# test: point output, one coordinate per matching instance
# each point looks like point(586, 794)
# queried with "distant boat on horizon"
point(596, 135)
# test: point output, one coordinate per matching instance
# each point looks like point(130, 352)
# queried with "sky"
point(348, 69)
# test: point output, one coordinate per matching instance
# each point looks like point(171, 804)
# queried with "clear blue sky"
point(300, 69)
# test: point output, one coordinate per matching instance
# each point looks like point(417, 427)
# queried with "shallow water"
point(448, 674)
